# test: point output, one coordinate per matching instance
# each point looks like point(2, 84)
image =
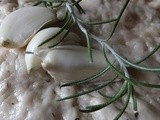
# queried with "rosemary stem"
point(70, 9)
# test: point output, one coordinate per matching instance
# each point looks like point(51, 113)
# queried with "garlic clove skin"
point(71, 62)
point(33, 62)
point(19, 27)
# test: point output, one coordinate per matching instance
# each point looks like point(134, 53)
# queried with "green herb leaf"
point(117, 96)
point(79, 82)
point(88, 91)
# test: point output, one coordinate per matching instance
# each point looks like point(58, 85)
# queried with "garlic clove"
point(33, 62)
point(20, 26)
point(71, 62)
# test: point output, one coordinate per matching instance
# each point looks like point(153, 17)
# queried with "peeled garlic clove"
point(70, 62)
point(33, 62)
point(19, 27)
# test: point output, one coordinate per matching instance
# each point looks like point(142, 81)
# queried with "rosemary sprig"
point(127, 88)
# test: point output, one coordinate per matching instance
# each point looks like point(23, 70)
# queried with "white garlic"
point(20, 26)
point(33, 62)
point(71, 62)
